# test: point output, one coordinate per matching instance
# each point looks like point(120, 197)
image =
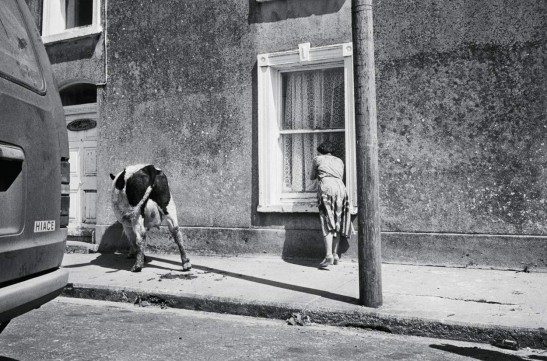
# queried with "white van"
point(34, 169)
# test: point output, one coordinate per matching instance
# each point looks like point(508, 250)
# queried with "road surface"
point(74, 329)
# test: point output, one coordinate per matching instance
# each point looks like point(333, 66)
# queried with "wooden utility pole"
point(369, 244)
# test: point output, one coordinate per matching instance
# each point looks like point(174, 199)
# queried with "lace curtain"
point(313, 100)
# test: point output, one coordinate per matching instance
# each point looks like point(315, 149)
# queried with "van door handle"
point(11, 164)
point(11, 153)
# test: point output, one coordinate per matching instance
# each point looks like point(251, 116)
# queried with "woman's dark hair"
point(326, 147)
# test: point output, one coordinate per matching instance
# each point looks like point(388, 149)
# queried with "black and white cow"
point(141, 200)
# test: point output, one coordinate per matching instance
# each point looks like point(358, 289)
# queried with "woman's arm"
point(313, 174)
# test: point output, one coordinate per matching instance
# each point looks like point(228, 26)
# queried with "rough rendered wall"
point(462, 120)
point(176, 98)
point(461, 99)
point(461, 116)
point(182, 94)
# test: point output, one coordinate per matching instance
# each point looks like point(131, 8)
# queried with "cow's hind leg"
point(172, 223)
point(128, 230)
point(140, 241)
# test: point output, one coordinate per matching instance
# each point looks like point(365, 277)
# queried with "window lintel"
point(320, 54)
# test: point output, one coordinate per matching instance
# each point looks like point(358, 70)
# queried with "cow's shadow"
point(118, 261)
point(113, 249)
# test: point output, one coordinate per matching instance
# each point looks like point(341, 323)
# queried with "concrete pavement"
point(454, 303)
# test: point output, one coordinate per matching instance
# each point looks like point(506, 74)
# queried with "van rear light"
point(65, 192)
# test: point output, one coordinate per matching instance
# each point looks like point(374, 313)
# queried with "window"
point(69, 19)
point(79, 94)
point(305, 97)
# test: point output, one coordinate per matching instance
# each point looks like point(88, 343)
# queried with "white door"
point(82, 137)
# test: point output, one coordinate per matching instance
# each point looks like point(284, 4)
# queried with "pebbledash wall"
point(461, 97)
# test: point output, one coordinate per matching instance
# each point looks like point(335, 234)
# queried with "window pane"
point(313, 99)
point(79, 94)
point(17, 58)
point(79, 13)
point(298, 153)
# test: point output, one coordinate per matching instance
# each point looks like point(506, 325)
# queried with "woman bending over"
point(332, 199)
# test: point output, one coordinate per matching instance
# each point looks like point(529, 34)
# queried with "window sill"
point(294, 208)
point(288, 208)
point(72, 34)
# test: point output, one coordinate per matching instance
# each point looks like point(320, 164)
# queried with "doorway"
point(81, 112)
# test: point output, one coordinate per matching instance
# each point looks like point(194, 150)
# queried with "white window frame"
point(54, 22)
point(270, 68)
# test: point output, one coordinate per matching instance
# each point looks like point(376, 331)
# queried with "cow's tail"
point(151, 171)
point(144, 197)
point(135, 210)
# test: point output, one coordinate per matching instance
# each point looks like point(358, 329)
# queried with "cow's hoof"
point(186, 266)
point(136, 268)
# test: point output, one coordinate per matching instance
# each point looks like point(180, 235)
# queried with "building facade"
point(230, 99)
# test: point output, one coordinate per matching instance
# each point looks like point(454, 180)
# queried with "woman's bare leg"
point(335, 242)
point(329, 259)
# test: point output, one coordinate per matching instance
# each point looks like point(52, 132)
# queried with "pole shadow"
point(119, 262)
point(287, 286)
point(482, 354)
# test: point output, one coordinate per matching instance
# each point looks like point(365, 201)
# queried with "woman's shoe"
point(336, 260)
point(326, 262)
